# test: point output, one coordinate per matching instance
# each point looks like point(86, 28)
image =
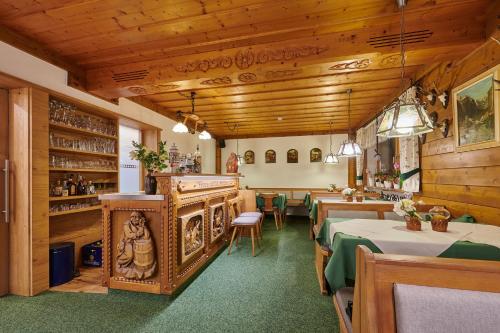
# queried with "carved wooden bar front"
point(155, 243)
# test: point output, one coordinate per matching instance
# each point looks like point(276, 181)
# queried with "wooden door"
point(4, 227)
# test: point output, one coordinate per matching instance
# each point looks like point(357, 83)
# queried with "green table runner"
point(280, 202)
point(342, 264)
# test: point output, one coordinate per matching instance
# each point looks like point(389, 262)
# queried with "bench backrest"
point(376, 275)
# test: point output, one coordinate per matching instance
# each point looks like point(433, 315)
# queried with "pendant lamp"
point(349, 148)
point(180, 127)
point(331, 158)
point(406, 116)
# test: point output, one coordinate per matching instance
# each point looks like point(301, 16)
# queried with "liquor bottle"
point(90, 188)
point(71, 186)
point(65, 189)
point(58, 189)
point(80, 188)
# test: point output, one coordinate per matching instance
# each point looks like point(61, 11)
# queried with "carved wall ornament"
point(270, 75)
point(246, 58)
point(137, 90)
point(136, 257)
point(217, 81)
point(217, 221)
point(192, 234)
point(205, 64)
point(355, 64)
point(247, 77)
point(391, 61)
point(153, 89)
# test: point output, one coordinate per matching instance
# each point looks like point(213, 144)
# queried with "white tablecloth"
point(392, 237)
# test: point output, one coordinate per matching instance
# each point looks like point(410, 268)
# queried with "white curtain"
point(409, 160)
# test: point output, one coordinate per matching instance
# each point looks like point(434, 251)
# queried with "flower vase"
point(150, 183)
point(359, 198)
point(348, 198)
point(413, 223)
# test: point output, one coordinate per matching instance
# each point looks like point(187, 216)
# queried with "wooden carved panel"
point(355, 64)
point(136, 257)
point(217, 221)
point(217, 81)
point(192, 234)
point(247, 77)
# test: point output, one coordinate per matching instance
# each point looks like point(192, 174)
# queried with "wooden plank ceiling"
point(249, 61)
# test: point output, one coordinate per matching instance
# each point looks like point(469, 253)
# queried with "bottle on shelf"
point(58, 189)
point(80, 188)
point(90, 188)
point(65, 189)
point(71, 186)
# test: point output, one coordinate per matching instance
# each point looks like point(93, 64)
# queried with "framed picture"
point(315, 155)
point(292, 156)
point(476, 112)
point(270, 156)
point(249, 157)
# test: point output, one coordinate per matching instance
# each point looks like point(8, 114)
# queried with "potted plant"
point(348, 193)
point(378, 179)
point(359, 196)
point(406, 208)
point(152, 161)
point(388, 181)
point(439, 218)
point(332, 188)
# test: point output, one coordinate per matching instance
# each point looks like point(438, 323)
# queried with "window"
point(130, 171)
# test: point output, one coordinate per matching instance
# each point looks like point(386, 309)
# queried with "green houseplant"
point(152, 161)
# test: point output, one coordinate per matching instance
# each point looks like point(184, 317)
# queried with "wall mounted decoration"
point(292, 156)
point(476, 112)
point(270, 156)
point(315, 155)
point(136, 257)
point(193, 241)
point(217, 221)
point(217, 81)
point(249, 157)
point(232, 163)
point(247, 77)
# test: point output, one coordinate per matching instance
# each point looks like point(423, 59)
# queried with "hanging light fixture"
point(180, 127)
point(331, 158)
point(349, 148)
point(204, 135)
point(406, 116)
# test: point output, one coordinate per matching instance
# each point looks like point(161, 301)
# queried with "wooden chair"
point(248, 207)
point(381, 278)
point(240, 224)
point(270, 208)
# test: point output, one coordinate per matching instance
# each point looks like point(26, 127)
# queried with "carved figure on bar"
point(136, 257)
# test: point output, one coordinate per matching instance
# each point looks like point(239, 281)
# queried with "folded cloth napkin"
point(466, 218)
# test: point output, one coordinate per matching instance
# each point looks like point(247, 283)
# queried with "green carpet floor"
point(276, 291)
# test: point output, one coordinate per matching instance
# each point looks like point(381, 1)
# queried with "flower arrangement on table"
point(152, 161)
point(348, 193)
point(407, 209)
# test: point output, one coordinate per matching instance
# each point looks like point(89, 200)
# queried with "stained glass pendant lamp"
point(349, 148)
point(331, 158)
point(406, 116)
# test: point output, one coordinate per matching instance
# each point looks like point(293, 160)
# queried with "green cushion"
point(466, 218)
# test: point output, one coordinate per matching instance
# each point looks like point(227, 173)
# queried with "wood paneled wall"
point(29, 227)
point(4, 228)
point(467, 182)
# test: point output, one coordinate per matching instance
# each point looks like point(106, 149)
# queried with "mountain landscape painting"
point(475, 113)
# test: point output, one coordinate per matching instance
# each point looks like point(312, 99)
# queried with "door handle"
point(6, 171)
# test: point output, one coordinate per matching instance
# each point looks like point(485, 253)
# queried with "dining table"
point(341, 236)
point(280, 201)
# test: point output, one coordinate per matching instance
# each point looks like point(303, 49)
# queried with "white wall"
point(283, 174)
point(26, 67)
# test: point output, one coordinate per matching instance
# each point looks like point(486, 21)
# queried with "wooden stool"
point(269, 208)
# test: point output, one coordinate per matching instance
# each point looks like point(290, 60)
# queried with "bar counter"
point(155, 243)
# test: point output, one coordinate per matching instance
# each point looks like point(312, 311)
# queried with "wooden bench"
point(322, 255)
point(378, 300)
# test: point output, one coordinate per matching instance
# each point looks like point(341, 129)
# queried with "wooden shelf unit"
point(74, 211)
point(74, 197)
point(84, 225)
